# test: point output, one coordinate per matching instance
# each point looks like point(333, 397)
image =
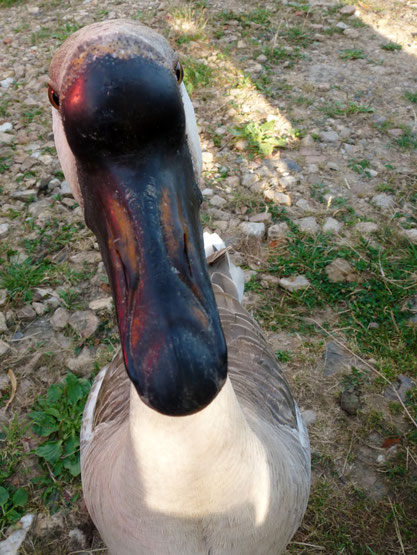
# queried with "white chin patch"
point(66, 157)
point(192, 133)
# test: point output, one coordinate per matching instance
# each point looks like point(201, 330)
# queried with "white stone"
point(265, 217)
point(221, 130)
point(65, 189)
point(308, 225)
point(207, 192)
point(220, 225)
point(248, 275)
point(253, 229)
point(6, 138)
point(302, 203)
point(397, 132)
point(24, 195)
point(207, 157)
point(26, 313)
point(309, 417)
point(307, 141)
point(411, 234)
point(255, 68)
point(3, 325)
point(332, 166)
point(53, 302)
point(332, 226)
point(347, 10)
point(4, 229)
point(39, 308)
point(328, 136)
point(106, 303)
point(3, 297)
point(366, 227)
point(86, 257)
point(217, 201)
point(288, 180)
point(278, 197)
point(4, 348)
point(249, 179)
point(219, 214)
point(84, 322)
point(7, 126)
point(351, 33)
point(342, 25)
point(60, 318)
point(383, 201)
point(11, 545)
point(294, 283)
point(340, 270)
point(77, 538)
point(7, 82)
point(312, 168)
point(278, 231)
point(83, 363)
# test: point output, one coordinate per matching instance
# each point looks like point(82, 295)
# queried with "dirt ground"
point(337, 82)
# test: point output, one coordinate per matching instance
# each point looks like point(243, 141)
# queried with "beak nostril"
point(187, 257)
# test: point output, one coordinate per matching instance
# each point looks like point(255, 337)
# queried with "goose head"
point(127, 141)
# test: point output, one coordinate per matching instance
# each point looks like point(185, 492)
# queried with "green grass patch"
point(357, 525)
point(5, 163)
point(297, 35)
point(408, 139)
point(32, 114)
point(262, 138)
point(280, 54)
point(352, 54)
point(391, 46)
point(260, 16)
point(283, 355)
point(341, 109)
point(4, 105)
point(53, 236)
point(360, 166)
point(60, 33)
point(197, 74)
point(8, 3)
point(187, 38)
point(386, 279)
point(411, 96)
point(20, 278)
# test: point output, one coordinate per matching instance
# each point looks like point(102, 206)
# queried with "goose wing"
point(254, 371)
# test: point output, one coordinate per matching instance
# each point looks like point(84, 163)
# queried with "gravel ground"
point(338, 85)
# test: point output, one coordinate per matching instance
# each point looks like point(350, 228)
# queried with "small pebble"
point(253, 229)
point(294, 283)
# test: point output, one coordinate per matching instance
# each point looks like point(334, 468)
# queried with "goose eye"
point(179, 72)
point(53, 97)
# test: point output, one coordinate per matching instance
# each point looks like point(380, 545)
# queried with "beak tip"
point(180, 386)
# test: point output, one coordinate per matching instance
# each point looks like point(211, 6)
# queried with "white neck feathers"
point(194, 465)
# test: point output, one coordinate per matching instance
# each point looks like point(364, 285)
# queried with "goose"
point(191, 441)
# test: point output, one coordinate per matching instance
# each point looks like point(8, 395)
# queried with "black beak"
point(142, 202)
